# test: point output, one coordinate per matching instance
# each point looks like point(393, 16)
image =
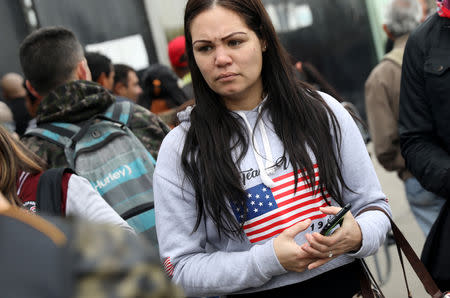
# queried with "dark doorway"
point(339, 42)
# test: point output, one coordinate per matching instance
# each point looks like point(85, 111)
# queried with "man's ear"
point(102, 79)
point(388, 33)
point(119, 89)
point(32, 107)
point(32, 90)
point(83, 72)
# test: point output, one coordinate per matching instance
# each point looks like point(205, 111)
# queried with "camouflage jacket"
point(110, 262)
point(78, 101)
point(82, 259)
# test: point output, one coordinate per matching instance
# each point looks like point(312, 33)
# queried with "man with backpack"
point(80, 125)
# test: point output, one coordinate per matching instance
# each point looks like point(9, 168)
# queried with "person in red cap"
point(178, 60)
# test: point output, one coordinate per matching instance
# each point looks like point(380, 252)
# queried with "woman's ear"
point(264, 45)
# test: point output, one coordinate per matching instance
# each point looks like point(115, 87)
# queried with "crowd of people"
point(230, 161)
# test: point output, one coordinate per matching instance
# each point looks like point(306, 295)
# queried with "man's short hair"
point(49, 57)
point(402, 16)
point(121, 74)
point(98, 64)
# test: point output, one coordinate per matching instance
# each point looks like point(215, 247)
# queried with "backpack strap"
point(120, 111)
point(61, 133)
point(58, 133)
point(48, 194)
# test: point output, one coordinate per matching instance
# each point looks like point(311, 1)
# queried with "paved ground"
point(395, 286)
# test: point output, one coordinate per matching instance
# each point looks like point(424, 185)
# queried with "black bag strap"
point(419, 268)
point(49, 194)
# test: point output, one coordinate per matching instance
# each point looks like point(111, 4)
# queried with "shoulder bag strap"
point(403, 245)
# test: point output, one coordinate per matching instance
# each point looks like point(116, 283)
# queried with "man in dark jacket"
point(424, 126)
point(58, 75)
point(424, 105)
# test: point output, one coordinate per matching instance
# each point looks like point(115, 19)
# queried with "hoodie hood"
point(74, 102)
point(265, 161)
point(185, 116)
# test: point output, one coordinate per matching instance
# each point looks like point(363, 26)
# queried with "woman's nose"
point(222, 57)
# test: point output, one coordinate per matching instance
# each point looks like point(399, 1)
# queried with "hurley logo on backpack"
point(108, 154)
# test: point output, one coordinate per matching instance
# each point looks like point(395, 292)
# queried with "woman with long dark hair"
point(247, 180)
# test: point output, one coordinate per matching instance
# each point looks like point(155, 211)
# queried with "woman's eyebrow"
point(223, 38)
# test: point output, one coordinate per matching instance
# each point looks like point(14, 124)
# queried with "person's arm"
point(84, 201)
point(424, 157)
point(382, 122)
point(148, 128)
point(190, 257)
point(365, 190)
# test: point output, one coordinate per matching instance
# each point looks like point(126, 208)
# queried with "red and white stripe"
point(168, 267)
point(292, 208)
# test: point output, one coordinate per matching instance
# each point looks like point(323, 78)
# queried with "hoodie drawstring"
point(269, 168)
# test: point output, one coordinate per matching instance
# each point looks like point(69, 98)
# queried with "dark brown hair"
point(49, 56)
point(215, 132)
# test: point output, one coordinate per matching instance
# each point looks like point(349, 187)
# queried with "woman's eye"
point(204, 48)
point(234, 43)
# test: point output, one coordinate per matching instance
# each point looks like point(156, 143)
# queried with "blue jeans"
point(424, 205)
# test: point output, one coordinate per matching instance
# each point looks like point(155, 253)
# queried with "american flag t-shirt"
point(272, 210)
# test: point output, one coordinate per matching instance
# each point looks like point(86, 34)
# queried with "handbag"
point(369, 287)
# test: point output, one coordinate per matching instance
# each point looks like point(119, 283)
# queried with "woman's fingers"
point(319, 263)
point(297, 228)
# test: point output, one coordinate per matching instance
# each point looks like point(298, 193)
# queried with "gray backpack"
point(106, 152)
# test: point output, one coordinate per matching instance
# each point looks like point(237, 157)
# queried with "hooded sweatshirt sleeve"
point(359, 175)
point(188, 258)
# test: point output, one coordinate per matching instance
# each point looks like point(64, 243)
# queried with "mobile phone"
point(335, 220)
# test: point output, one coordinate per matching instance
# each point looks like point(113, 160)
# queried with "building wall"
point(166, 19)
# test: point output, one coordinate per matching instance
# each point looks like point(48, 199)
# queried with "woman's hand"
point(344, 239)
point(289, 253)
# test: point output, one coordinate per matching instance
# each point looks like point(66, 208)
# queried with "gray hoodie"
point(205, 265)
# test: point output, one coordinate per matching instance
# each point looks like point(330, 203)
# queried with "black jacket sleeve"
point(428, 161)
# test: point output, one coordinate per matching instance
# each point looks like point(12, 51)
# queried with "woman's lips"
point(225, 77)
